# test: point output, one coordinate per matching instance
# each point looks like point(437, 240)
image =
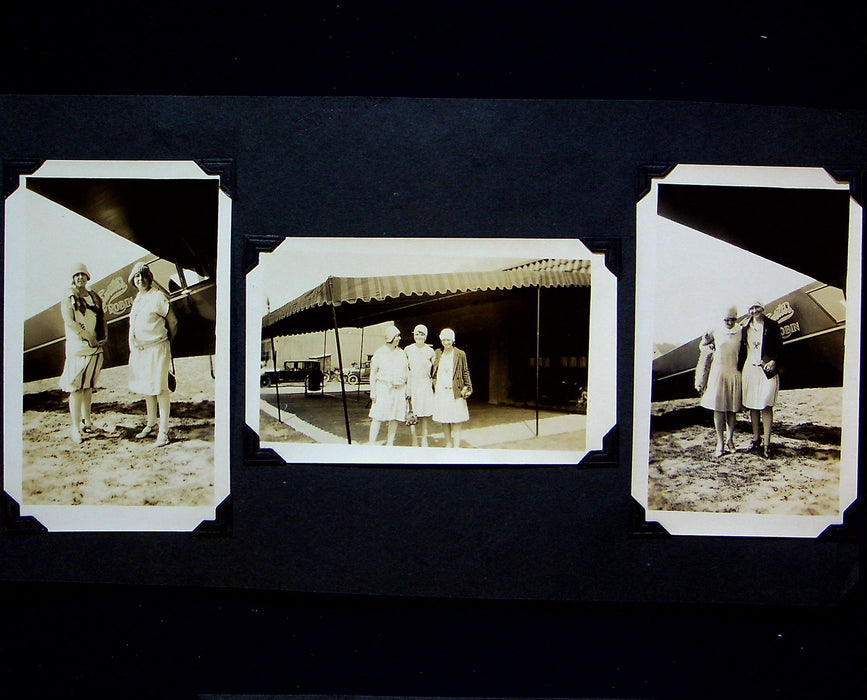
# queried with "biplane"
point(176, 221)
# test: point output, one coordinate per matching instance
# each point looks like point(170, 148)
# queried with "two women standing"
point(152, 324)
point(743, 374)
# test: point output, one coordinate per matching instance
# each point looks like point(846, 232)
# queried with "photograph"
point(116, 345)
point(431, 351)
point(747, 352)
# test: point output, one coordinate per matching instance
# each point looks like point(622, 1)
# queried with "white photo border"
point(738, 524)
point(602, 364)
point(105, 518)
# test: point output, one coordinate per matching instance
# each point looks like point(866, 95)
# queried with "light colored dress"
point(759, 391)
point(149, 350)
point(723, 391)
point(420, 382)
point(389, 372)
point(83, 363)
point(448, 409)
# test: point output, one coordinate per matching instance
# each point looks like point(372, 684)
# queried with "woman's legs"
point(447, 430)
point(456, 434)
point(86, 402)
point(731, 416)
point(755, 420)
point(151, 406)
point(164, 402)
point(767, 423)
point(719, 424)
point(391, 432)
point(424, 422)
point(75, 400)
point(374, 431)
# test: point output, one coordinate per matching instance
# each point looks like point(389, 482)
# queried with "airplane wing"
point(173, 219)
point(779, 224)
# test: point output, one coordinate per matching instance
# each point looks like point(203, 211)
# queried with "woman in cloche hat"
point(85, 328)
point(152, 325)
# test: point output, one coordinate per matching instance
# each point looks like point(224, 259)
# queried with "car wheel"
point(352, 379)
point(264, 381)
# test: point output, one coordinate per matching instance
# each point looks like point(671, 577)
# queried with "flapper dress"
point(83, 363)
point(448, 409)
point(420, 382)
point(723, 391)
point(759, 390)
point(149, 349)
point(389, 372)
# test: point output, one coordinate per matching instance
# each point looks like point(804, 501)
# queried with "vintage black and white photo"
point(116, 340)
point(747, 351)
point(430, 351)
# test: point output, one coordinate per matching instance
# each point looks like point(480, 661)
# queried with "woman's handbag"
point(411, 418)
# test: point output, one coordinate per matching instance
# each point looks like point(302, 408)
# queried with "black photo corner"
point(532, 581)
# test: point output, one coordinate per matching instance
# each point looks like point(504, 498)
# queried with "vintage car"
point(306, 372)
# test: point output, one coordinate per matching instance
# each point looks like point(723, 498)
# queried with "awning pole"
point(339, 361)
point(538, 334)
point(276, 378)
point(324, 348)
point(360, 367)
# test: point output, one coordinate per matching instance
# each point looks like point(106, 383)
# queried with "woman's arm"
point(74, 327)
point(171, 323)
point(467, 388)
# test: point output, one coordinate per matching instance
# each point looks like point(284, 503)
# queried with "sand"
point(802, 476)
point(112, 467)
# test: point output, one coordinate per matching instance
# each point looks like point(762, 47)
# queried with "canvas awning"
point(364, 301)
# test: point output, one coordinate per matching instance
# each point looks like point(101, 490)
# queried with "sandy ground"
point(802, 476)
point(112, 467)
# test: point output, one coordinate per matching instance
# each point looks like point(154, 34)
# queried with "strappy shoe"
point(147, 430)
point(754, 445)
point(162, 440)
point(89, 429)
point(766, 450)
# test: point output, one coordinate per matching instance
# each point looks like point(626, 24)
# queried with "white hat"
point(79, 267)
point(138, 267)
point(731, 312)
point(390, 333)
point(447, 334)
point(757, 303)
point(420, 327)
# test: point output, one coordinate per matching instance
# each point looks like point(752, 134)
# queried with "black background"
point(740, 618)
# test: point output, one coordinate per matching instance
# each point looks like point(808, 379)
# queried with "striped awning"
point(357, 297)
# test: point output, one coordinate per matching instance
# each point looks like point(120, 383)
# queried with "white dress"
point(448, 409)
point(389, 372)
point(723, 391)
point(759, 391)
point(83, 363)
point(420, 382)
point(149, 350)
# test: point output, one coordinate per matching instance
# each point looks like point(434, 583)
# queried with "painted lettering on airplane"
point(782, 312)
point(113, 300)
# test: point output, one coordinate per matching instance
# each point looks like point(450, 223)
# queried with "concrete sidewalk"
point(320, 418)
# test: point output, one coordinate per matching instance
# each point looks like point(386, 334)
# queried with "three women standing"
point(152, 325)
point(86, 331)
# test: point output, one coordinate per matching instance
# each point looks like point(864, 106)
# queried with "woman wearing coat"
point(86, 332)
point(452, 386)
point(152, 325)
point(761, 346)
